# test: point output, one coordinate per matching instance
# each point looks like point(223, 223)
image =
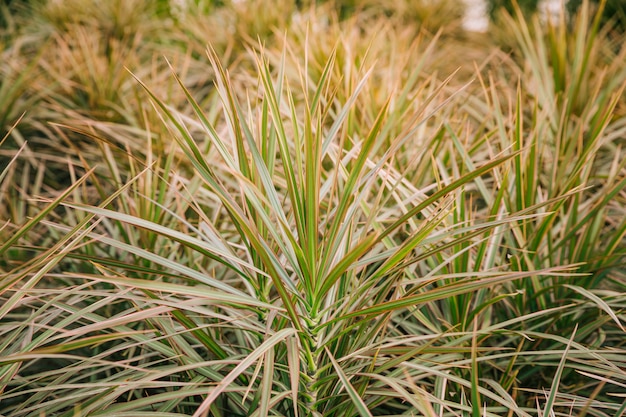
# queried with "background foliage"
point(321, 209)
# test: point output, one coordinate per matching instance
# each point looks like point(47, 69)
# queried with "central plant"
point(305, 251)
point(341, 250)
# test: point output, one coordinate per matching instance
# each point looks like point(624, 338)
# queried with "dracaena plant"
point(317, 213)
point(562, 118)
point(292, 273)
point(314, 234)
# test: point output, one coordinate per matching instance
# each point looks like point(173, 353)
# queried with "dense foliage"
point(315, 210)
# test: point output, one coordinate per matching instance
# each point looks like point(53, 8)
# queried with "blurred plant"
point(115, 19)
point(613, 11)
point(14, 13)
point(496, 7)
point(18, 71)
point(432, 16)
point(87, 71)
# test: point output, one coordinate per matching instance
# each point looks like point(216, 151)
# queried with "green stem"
point(313, 358)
